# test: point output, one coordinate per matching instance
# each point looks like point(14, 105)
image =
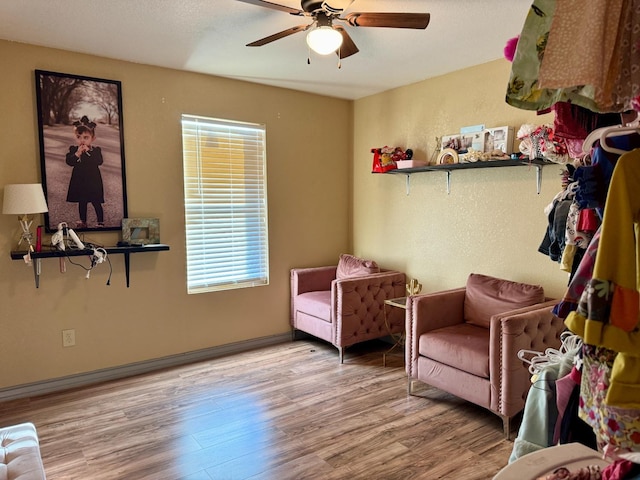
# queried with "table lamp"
point(23, 200)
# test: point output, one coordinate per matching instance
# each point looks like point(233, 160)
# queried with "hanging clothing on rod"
point(542, 410)
point(607, 317)
point(549, 27)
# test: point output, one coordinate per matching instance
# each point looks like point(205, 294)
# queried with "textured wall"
point(493, 220)
point(308, 158)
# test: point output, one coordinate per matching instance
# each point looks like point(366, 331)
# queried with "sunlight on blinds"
point(225, 204)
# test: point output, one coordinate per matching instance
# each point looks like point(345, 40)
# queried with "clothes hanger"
point(540, 360)
point(605, 132)
point(588, 142)
point(570, 345)
point(615, 132)
point(570, 342)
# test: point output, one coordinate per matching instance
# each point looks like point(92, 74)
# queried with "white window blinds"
point(225, 204)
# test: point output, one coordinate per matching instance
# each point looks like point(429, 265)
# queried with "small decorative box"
point(410, 163)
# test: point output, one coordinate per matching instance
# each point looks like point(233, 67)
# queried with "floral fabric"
point(614, 425)
point(616, 91)
point(588, 24)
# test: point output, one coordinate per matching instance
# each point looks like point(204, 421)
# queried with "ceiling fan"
point(335, 38)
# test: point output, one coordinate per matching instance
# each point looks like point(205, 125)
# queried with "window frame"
point(225, 204)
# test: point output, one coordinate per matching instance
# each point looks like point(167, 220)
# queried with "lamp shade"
point(25, 198)
point(324, 40)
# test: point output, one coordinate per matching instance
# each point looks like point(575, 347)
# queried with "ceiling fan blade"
point(393, 20)
point(278, 36)
point(347, 48)
point(275, 6)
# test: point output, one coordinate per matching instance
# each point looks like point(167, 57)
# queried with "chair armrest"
point(530, 328)
point(430, 311)
point(358, 308)
point(313, 279)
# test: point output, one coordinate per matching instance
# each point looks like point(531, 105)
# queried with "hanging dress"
point(608, 316)
point(543, 34)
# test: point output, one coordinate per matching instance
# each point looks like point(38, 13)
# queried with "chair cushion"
point(462, 346)
point(350, 266)
point(317, 304)
point(486, 296)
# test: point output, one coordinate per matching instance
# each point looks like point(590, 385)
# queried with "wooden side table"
point(398, 338)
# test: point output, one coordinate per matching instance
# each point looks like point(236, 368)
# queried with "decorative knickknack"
point(387, 158)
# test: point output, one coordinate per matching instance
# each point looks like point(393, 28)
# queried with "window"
point(225, 204)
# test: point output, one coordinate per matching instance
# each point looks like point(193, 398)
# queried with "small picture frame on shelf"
point(453, 142)
point(142, 231)
point(500, 138)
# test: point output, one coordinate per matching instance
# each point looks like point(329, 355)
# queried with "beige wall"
point(308, 148)
point(492, 222)
point(321, 203)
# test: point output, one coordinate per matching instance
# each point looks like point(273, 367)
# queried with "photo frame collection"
point(485, 140)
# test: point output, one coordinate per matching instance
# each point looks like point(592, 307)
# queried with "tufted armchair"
point(344, 304)
point(466, 341)
point(20, 453)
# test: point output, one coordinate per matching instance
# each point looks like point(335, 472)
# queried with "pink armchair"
point(344, 304)
point(466, 341)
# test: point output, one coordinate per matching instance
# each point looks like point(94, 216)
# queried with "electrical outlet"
point(68, 338)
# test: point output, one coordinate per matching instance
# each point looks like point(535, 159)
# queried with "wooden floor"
point(285, 412)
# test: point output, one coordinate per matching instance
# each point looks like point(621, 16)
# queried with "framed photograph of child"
point(81, 151)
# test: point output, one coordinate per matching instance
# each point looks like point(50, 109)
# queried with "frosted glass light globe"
point(324, 40)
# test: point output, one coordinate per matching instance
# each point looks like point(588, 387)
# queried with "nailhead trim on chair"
point(409, 345)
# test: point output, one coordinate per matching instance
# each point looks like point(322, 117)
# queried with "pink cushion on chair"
point(350, 266)
point(485, 296)
point(463, 346)
point(317, 304)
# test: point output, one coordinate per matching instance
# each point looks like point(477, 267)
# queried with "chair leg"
point(410, 385)
point(341, 354)
point(506, 426)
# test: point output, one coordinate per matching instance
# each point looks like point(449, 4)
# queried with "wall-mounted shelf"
point(126, 251)
point(536, 162)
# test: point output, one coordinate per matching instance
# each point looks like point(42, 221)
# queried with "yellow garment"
point(569, 252)
point(615, 282)
point(600, 334)
point(626, 389)
point(618, 252)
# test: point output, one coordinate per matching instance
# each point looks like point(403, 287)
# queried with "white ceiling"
point(209, 36)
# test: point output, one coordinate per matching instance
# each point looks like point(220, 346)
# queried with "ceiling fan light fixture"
point(324, 40)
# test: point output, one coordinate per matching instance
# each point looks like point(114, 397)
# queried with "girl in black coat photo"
point(85, 185)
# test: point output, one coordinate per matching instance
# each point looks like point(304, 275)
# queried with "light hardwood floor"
point(289, 411)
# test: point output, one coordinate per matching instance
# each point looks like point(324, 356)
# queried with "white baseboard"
point(83, 379)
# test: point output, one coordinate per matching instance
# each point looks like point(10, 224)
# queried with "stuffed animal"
point(385, 158)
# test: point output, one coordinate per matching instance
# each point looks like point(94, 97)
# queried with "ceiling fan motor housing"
point(332, 6)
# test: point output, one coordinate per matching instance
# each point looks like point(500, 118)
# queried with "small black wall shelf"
point(536, 162)
point(126, 251)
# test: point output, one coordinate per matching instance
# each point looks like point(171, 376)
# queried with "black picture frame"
point(62, 101)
